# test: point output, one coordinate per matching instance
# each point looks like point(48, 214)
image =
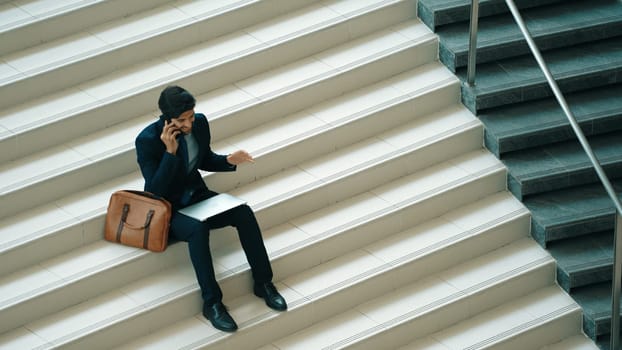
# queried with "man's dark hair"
point(173, 101)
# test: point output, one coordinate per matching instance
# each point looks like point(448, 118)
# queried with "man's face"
point(184, 122)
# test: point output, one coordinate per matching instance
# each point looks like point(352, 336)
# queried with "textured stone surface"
point(519, 79)
point(583, 260)
point(542, 122)
point(571, 212)
point(562, 165)
point(551, 27)
point(596, 303)
point(435, 13)
point(581, 42)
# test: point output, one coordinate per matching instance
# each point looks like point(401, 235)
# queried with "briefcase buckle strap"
point(126, 210)
point(147, 224)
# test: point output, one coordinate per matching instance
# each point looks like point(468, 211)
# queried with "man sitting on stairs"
point(170, 153)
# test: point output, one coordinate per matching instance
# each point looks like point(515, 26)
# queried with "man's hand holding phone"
point(169, 136)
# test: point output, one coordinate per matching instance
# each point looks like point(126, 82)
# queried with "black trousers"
point(196, 233)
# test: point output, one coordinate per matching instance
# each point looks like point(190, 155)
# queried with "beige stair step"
point(312, 231)
point(98, 157)
point(128, 40)
point(278, 209)
point(385, 313)
point(130, 91)
point(56, 228)
point(92, 203)
point(543, 317)
point(387, 224)
point(84, 212)
point(369, 163)
point(178, 282)
point(76, 277)
point(26, 24)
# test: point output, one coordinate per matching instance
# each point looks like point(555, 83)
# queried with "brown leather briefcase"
point(138, 219)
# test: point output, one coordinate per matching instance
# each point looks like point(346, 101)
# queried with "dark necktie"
point(183, 149)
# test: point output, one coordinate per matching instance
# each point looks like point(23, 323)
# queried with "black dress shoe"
point(220, 318)
point(273, 299)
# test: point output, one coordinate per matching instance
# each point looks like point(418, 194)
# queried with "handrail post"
point(472, 42)
point(616, 282)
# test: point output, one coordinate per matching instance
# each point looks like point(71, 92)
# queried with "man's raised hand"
point(239, 157)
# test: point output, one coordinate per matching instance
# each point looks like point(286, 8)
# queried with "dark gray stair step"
point(572, 212)
point(604, 342)
point(520, 79)
point(583, 260)
point(435, 13)
point(595, 300)
point(562, 165)
point(535, 123)
point(553, 26)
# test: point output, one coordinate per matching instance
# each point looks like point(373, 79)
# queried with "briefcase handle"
point(126, 210)
point(145, 194)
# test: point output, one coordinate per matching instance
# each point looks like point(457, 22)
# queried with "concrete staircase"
point(548, 170)
point(388, 223)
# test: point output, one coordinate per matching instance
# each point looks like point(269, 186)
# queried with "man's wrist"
point(231, 165)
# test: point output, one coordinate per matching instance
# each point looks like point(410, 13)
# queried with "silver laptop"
point(212, 206)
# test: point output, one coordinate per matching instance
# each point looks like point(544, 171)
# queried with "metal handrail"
point(617, 259)
point(472, 42)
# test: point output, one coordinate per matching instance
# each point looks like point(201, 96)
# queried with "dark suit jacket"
point(166, 175)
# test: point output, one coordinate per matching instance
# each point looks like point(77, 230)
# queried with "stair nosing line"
point(404, 97)
point(42, 232)
point(337, 70)
point(45, 15)
point(169, 296)
point(108, 47)
point(409, 257)
point(585, 118)
point(192, 287)
point(247, 323)
point(187, 73)
point(480, 228)
point(600, 211)
point(69, 279)
point(77, 165)
point(577, 268)
point(541, 80)
point(109, 320)
point(525, 326)
point(181, 24)
point(585, 165)
point(543, 33)
point(389, 209)
point(380, 268)
point(369, 163)
point(260, 204)
point(426, 308)
point(452, 184)
point(395, 153)
point(24, 183)
point(404, 150)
